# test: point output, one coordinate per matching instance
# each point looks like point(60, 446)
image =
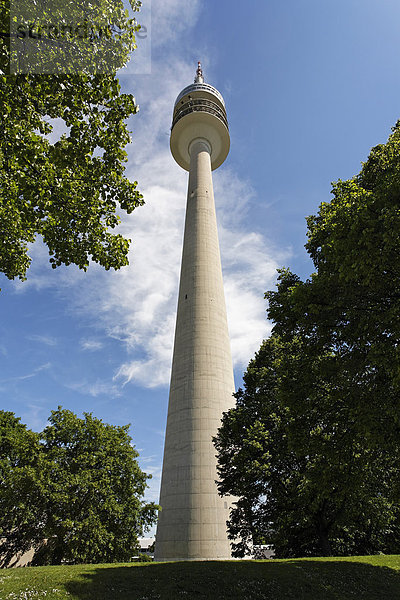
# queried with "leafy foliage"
point(21, 500)
point(311, 449)
point(52, 36)
point(82, 486)
point(68, 191)
point(306, 483)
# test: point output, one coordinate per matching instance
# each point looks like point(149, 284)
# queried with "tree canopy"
point(311, 448)
point(74, 493)
point(66, 189)
point(21, 504)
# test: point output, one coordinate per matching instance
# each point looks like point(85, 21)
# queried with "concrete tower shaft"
point(192, 523)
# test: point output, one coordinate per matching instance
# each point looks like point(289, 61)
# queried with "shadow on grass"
point(269, 580)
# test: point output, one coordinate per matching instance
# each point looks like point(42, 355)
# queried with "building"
point(192, 523)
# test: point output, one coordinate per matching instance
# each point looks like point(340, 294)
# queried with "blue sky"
point(310, 87)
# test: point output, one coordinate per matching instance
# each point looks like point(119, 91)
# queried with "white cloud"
point(36, 415)
point(172, 17)
point(43, 339)
point(40, 275)
point(95, 389)
point(33, 373)
point(91, 345)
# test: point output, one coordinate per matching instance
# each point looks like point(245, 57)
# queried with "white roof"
point(146, 542)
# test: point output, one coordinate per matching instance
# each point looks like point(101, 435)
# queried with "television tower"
point(192, 522)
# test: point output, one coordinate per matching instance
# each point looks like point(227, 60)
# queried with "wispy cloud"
point(43, 339)
point(91, 345)
point(33, 373)
point(170, 18)
point(95, 388)
point(36, 415)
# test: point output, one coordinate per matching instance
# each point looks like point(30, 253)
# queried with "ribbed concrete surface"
point(192, 523)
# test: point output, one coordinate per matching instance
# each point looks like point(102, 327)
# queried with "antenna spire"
point(199, 74)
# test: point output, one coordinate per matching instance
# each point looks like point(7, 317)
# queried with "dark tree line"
point(312, 447)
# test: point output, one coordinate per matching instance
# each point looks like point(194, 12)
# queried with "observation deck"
point(199, 112)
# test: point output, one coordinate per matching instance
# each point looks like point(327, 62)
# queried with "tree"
point(90, 507)
point(352, 302)
point(21, 503)
point(66, 191)
point(312, 447)
point(306, 482)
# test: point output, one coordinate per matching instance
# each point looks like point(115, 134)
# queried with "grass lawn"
point(360, 577)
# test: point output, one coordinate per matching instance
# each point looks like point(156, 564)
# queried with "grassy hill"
point(361, 578)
